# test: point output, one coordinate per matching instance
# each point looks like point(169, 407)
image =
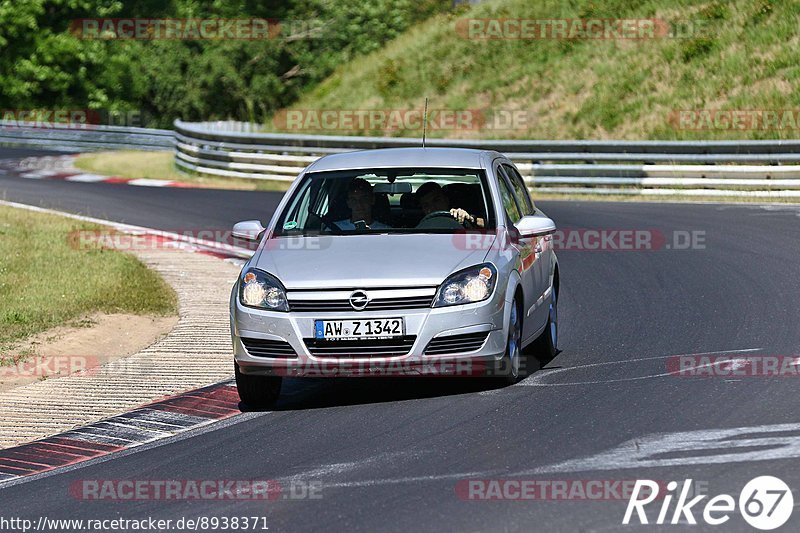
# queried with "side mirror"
point(250, 230)
point(535, 226)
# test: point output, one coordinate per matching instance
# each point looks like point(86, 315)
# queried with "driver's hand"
point(461, 215)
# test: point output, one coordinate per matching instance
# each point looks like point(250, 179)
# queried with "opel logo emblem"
point(359, 300)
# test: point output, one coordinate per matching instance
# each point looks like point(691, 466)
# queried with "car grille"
point(466, 342)
point(361, 348)
point(378, 304)
point(269, 348)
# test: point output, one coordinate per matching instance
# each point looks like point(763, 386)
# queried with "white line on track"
point(536, 379)
point(86, 178)
point(35, 175)
point(150, 183)
point(686, 448)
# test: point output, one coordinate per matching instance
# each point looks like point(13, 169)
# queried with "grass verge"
point(138, 164)
point(46, 281)
point(737, 55)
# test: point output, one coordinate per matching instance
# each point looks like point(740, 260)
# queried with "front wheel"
point(510, 368)
point(257, 391)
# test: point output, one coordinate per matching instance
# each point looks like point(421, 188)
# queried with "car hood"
point(350, 261)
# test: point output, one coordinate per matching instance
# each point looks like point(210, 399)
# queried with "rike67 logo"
point(765, 503)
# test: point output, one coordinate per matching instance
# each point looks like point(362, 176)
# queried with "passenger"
point(432, 198)
point(360, 200)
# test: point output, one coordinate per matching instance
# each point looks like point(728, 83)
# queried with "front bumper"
point(424, 325)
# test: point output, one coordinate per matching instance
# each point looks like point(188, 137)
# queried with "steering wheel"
point(437, 214)
point(446, 214)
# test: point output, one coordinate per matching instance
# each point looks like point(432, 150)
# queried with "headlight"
point(259, 289)
point(473, 284)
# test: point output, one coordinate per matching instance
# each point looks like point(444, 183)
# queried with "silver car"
point(411, 261)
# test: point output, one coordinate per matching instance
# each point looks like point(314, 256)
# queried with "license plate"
point(376, 328)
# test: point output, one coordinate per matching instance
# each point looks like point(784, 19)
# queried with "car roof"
point(405, 157)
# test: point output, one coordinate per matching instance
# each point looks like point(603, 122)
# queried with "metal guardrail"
point(238, 150)
point(82, 138)
point(697, 168)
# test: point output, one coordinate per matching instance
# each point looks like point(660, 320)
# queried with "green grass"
point(161, 165)
point(748, 58)
point(131, 164)
point(46, 280)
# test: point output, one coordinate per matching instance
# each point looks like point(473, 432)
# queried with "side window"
point(509, 204)
point(307, 207)
point(298, 209)
point(520, 190)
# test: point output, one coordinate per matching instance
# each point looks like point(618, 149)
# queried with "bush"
point(45, 66)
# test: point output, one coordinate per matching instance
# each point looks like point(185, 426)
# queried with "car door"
point(537, 261)
point(513, 213)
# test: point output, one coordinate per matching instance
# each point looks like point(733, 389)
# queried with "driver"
point(432, 199)
point(360, 200)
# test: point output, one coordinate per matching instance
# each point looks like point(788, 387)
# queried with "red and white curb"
point(62, 168)
point(155, 421)
point(97, 178)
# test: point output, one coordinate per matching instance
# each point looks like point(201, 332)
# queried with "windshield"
point(396, 200)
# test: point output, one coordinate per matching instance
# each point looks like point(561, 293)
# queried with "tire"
point(511, 363)
point(257, 391)
point(545, 347)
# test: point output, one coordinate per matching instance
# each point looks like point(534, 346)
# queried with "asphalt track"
point(390, 454)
